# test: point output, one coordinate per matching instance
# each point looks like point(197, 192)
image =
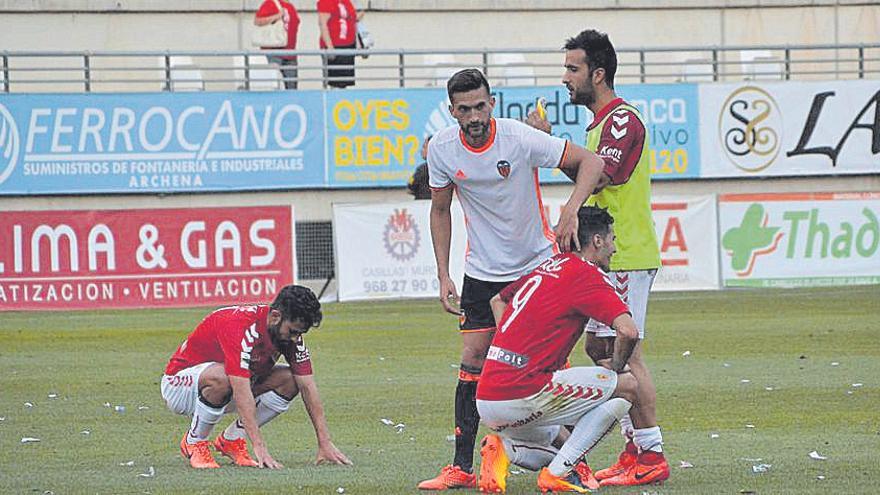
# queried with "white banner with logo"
point(384, 251)
point(793, 240)
point(686, 230)
point(758, 129)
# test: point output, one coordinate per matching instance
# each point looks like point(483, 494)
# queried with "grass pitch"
point(744, 378)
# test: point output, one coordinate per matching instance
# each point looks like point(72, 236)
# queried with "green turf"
point(396, 360)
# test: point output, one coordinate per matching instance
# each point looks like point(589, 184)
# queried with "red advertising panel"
point(144, 258)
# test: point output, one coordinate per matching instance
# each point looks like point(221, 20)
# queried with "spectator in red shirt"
point(228, 364)
point(271, 11)
point(338, 22)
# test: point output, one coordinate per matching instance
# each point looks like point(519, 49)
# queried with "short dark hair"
point(466, 80)
point(593, 220)
point(600, 52)
point(418, 183)
point(296, 302)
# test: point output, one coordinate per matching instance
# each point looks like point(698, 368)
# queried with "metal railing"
point(23, 71)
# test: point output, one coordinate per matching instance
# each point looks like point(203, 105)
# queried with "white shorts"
point(570, 394)
point(181, 391)
point(633, 287)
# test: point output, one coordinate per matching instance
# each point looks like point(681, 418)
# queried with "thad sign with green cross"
point(792, 240)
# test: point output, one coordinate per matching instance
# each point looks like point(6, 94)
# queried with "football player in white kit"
point(492, 164)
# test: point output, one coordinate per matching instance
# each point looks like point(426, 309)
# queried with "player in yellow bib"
point(617, 134)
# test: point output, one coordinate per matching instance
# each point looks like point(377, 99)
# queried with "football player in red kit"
point(526, 395)
point(228, 365)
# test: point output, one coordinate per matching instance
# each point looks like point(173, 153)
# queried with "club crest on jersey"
point(503, 168)
point(401, 237)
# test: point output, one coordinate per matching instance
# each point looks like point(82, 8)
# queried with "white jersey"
point(507, 229)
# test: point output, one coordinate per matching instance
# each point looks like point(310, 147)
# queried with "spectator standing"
point(337, 20)
point(271, 11)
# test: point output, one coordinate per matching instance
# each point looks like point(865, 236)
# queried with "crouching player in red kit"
point(228, 364)
point(526, 396)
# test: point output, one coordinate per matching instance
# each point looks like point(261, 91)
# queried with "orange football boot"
point(625, 460)
point(586, 475)
point(547, 482)
point(493, 468)
point(199, 454)
point(235, 450)
point(450, 477)
point(650, 468)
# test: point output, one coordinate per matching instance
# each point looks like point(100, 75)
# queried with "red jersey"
point(238, 337)
point(545, 316)
point(342, 23)
point(290, 19)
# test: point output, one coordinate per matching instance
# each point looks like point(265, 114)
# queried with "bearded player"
point(492, 165)
point(618, 136)
point(228, 364)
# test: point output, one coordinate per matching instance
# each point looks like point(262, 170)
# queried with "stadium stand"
point(722, 46)
point(255, 73)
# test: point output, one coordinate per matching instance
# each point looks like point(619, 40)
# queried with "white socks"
point(531, 456)
point(203, 421)
point(269, 406)
point(626, 427)
point(588, 431)
point(648, 439)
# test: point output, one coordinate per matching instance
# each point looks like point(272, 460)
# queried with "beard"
point(273, 334)
point(476, 130)
point(585, 96)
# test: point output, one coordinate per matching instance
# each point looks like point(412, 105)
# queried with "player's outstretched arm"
point(441, 235)
point(327, 452)
point(588, 169)
point(247, 411)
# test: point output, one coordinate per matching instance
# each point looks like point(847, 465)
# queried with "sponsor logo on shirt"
point(618, 123)
point(611, 152)
point(552, 266)
point(302, 352)
point(507, 357)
